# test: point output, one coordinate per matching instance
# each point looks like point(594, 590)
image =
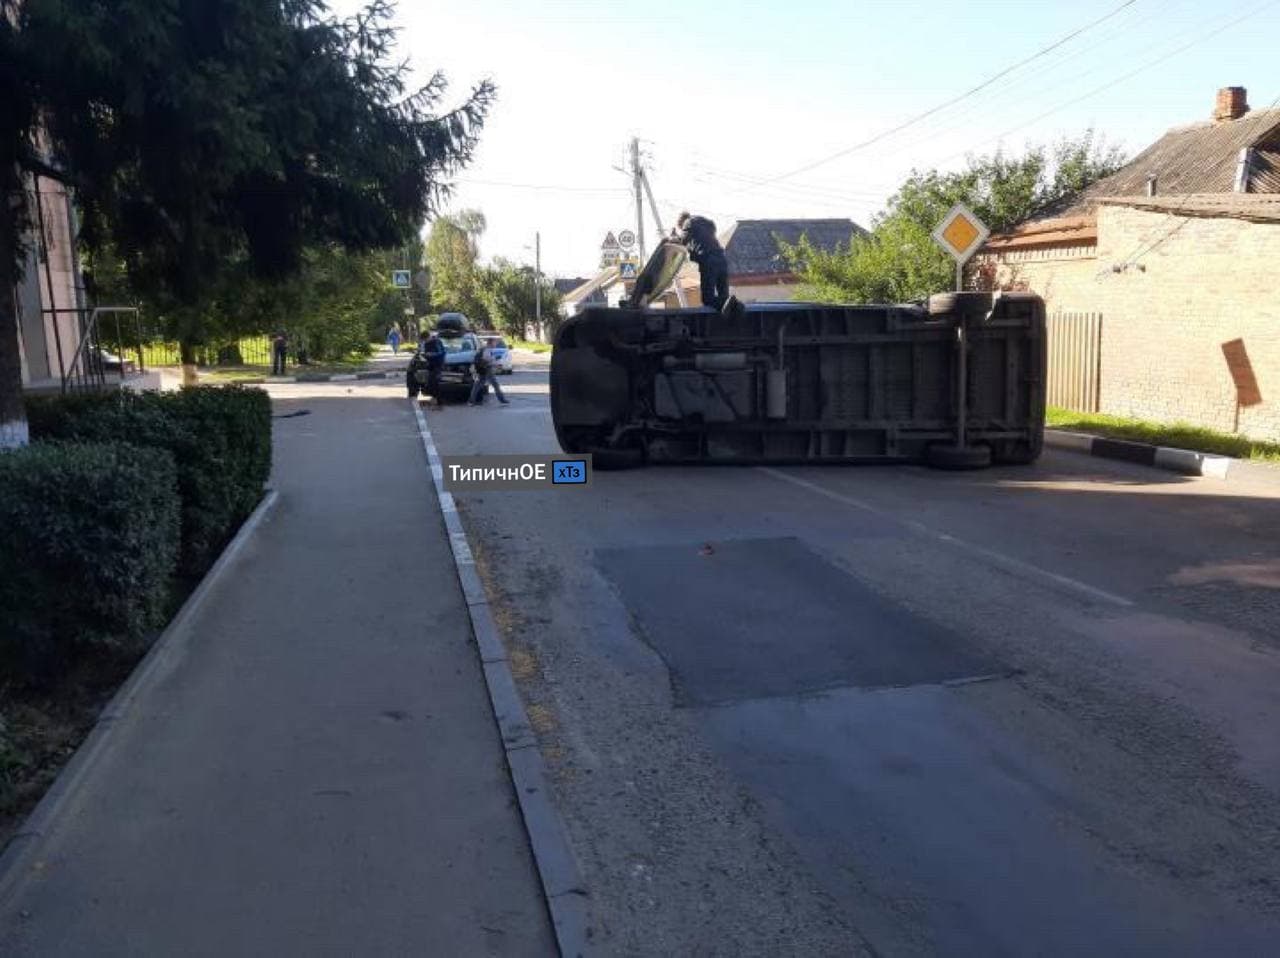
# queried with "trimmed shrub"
point(90, 547)
point(220, 438)
point(238, 419)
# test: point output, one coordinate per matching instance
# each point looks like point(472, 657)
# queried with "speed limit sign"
point(627, 239)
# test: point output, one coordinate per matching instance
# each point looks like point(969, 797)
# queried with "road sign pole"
point(962, 383)
point(961, 234)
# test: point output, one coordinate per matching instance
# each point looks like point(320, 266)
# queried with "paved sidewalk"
point(319, 773)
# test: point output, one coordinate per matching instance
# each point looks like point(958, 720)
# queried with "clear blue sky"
point(723, 93)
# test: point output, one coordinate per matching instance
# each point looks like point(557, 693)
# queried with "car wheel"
point(968, 302)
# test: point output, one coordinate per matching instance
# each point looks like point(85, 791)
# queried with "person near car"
point(484, 377)
point(698, 234)
point(279, 351)
point(433, 350)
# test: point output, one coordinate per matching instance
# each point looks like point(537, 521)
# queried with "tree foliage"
point(206, 138)
point(452, 262)
point(511, 294)
point(899, 261)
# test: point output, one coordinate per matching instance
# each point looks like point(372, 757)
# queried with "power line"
point(960, 119)
point(1122, 27)
point(956, 99)
point(1201, 38)
point(1179, 210)
point(546, 187)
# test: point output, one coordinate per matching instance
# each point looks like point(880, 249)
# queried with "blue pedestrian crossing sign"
point(400, 278)
point(627, 270)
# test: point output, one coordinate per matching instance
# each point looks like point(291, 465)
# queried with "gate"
point(1075, 361)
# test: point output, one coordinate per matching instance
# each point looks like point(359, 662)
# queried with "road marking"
point(1008, 563)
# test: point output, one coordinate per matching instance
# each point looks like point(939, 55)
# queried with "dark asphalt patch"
point(293, 415)
point(760, 618)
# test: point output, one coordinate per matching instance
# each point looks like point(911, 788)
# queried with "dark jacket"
point(433, 351)
point(699, 236)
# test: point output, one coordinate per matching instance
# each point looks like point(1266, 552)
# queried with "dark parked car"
point(457, 372)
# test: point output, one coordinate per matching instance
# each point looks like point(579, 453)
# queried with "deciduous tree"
point(899, 261)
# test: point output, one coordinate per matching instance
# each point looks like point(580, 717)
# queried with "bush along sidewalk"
point(91, 547)
point(111, 515)
point(220, 438)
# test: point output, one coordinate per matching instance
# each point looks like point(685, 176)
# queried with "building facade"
point(1171, 261)
point(50, 298)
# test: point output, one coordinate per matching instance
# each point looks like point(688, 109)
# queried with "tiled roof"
point(566, 286)
point(752, 249)
point(1200, 158)
point(1259, 207)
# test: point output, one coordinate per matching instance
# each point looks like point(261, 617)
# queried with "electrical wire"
point(955, 99)
point(1180, 210)
point(1200, 38)
point(545, 187)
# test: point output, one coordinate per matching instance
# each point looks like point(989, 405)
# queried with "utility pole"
point(637, 178)
point(537, 281)
point(657, 221)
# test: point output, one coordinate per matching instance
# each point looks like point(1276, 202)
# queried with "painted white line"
point(1009, 564)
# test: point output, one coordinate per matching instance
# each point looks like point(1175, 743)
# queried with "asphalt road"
point(893, 711)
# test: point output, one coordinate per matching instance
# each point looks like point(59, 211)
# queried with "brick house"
point(1159, 279)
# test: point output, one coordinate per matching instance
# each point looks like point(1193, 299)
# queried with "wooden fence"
point(1075, 361)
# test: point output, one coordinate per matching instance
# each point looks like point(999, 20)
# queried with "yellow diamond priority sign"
point(961, 233)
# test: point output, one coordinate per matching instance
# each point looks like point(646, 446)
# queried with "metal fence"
point(156, 351)
point(1075, 361)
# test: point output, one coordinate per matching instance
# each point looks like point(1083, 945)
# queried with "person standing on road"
point(484, 377)
point(433, 350)
point(698, 234)
point(279, 351)
point(393, 338)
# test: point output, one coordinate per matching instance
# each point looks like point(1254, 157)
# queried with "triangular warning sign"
point(610, 242)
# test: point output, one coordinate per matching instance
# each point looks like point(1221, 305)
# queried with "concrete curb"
point(562, 885)
point(1183, 461)
point(165, 655)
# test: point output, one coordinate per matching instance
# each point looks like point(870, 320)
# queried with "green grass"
point(531, 346)
point(235, 374)
point(1177, 435)
point(156, 354)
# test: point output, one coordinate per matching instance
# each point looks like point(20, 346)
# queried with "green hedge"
point(220, 438)
point(91, 542)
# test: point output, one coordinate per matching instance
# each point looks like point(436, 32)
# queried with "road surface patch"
point(759, 618)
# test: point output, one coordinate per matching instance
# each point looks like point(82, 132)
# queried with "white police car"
point(499, 353)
